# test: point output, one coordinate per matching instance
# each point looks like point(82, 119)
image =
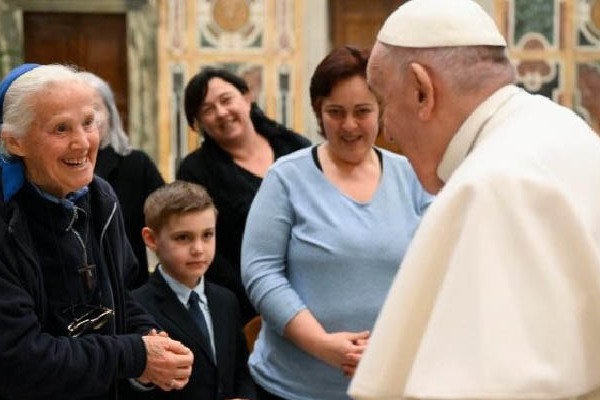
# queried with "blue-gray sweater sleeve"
point(264, 248)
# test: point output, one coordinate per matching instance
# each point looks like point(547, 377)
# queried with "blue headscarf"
point(13, 170)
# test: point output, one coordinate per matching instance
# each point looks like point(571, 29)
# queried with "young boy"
point(180, 229)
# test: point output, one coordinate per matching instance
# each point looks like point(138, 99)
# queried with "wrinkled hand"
point(154, 332)
point(168, 364)
point(342, 349)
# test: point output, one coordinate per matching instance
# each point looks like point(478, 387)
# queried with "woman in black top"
point(131, 173)
point(240, 143)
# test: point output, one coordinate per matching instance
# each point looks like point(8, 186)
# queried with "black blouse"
point(233, 188)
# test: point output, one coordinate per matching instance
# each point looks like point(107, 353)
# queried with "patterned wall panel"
point(534, 20)
point(226, 25)
point(540, 77)
point(587, 96)
point(588, 24)
point(177, 24)
point(285, 96)
point(259, 40)
point(284, 20)
point(555, 45)
point(11, 38)
point(178, 126)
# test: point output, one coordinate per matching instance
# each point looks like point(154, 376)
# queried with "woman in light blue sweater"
point(325, 235)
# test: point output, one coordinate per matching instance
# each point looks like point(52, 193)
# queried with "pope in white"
point(498, 296)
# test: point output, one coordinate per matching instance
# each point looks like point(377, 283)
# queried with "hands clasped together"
point(168, 364)
point(342, 349)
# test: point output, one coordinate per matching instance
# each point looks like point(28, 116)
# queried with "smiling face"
point(185, 245)
point(59, 148)
point(349, 117)
point(225, 112)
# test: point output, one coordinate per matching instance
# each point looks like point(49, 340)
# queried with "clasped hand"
point(168, 363)
point(344, 350)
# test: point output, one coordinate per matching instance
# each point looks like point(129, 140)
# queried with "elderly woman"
point(69, 328)
point(240, 143)
point(131, 173)
point(324, 239)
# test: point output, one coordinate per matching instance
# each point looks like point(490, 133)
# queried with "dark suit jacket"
point(230, 377)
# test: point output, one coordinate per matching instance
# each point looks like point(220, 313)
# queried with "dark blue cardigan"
point(35, 363)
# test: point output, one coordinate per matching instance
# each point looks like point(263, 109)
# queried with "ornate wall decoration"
point(226, 25)
point(11, 39)
point(534, 19)
point(284, 18)
point(555, 45)
point(588, 24)
point(540, 77)
point(142, 57)
point(587, 96)
point(285, 97)
point(179, 139)
point(176, 11)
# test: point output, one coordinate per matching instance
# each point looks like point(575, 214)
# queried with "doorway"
point(356, 23)
point(93, 42)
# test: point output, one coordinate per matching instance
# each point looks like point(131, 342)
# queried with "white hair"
point(18, 107)
point(113, 134)
point(465, 68)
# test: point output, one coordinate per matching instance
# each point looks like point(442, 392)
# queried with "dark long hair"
point(197, 88)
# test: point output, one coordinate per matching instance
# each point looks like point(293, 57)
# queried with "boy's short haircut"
point(175, 198)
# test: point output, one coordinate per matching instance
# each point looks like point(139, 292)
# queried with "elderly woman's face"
point(59, 149)
point(225, 112)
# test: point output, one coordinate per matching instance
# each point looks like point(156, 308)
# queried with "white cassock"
point(499, 294)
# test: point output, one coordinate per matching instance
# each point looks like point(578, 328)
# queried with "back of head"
point(175, 198)
point(114, 135)
point(340, 64)
point(197, 88)
point(456, 37)
point(17, 106)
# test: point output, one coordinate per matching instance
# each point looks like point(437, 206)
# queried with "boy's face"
point(185, 245)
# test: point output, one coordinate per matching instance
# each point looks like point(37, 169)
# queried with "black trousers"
point(264, 395)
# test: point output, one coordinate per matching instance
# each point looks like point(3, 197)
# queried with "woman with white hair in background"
point(131, 173)
point(69, 328)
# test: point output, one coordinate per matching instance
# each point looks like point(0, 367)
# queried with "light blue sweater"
point(307, 245)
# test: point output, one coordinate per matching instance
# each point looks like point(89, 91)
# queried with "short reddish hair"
point(342, 63)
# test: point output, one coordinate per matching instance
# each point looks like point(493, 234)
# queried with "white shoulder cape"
point(498, 296)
